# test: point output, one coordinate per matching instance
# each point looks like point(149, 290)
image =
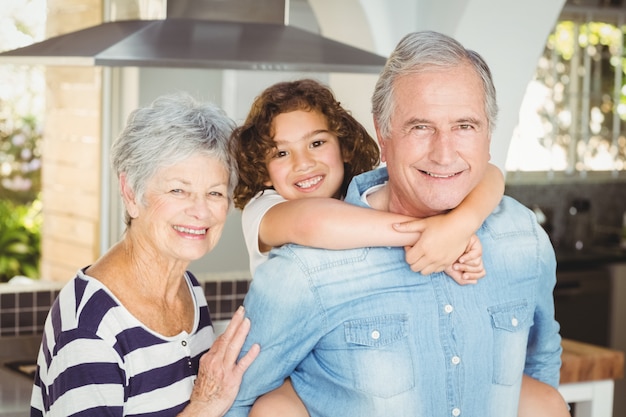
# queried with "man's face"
point(438, 149)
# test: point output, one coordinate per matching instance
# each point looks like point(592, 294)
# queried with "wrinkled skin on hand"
point(220, 374)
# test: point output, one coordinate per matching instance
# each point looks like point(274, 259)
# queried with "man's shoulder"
point(308, 258)
point(511, 218)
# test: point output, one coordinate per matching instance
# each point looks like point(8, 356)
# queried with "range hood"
point(217, 34)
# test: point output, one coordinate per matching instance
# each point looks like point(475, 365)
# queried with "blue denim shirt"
point(362, 335)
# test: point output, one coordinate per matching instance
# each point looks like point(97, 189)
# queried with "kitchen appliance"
point(216, 34)
point(582, 302)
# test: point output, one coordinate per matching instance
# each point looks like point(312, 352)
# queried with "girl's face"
point(184, 209)
point(307, 160)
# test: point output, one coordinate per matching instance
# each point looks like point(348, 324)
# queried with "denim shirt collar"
point(363, 182)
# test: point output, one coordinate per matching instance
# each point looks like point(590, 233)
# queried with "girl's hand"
point(469, 268)
point(438, 247)
point(442, 248)
point(219, 375)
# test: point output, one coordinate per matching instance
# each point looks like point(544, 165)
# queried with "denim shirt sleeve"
point(280, 304)
point(543, 360)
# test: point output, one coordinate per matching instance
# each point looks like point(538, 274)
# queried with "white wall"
point(510, 34)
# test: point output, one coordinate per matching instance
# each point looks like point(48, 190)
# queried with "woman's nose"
point(199, 207)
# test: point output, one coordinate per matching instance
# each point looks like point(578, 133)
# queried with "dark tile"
point(242, 287)
point(226, 306)
point(25, 319)
point(7, 301)
point(44, 298)
point(210, 288)
point(25, 300)
point(8, 320)
point(212, 306)
point(226, 288)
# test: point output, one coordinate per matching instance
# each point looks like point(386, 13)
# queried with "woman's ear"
point(128, 196)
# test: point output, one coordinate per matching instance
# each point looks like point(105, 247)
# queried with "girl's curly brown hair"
point(252, 142)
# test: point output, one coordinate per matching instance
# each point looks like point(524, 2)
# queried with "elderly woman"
point(128, 335)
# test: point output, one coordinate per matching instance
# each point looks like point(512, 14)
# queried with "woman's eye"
point(176, 191)
point(216, 194)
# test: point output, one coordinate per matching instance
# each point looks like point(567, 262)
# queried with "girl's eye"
point(279, 154)
point(317, 143)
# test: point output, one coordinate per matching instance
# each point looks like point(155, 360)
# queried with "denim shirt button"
point(456, 412)
point(375, 335)
point(514, 322)
point(448, 308)
point(456, 360)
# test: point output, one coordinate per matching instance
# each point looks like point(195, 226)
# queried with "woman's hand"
point(219, 376)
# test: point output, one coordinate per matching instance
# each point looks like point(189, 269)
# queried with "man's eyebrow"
point(415, 121)
point(469, 120)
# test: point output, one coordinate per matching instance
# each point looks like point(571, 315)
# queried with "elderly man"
point(359, 333)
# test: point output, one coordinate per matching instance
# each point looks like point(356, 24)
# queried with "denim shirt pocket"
point(511, 324)
point(379, 355)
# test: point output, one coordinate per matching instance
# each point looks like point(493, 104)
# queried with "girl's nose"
point(302, 161)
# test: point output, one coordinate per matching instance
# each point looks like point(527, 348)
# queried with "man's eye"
point(176, 191)
point(466, 127)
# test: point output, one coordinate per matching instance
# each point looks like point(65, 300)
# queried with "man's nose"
point(443, 149)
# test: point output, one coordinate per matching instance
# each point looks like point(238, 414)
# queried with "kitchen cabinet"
point(15, 388)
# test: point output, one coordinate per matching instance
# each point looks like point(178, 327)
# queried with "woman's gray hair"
point(173, 128)
point(424, 51)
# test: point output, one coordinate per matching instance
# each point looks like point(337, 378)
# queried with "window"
point(573, 116)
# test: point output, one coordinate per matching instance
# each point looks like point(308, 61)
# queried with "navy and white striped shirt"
point(97, 359)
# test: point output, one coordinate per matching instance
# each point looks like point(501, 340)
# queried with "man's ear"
point(381, 142)
point(128, 196)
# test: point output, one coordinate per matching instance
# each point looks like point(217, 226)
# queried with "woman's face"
point(307, 160)
point(185, 209)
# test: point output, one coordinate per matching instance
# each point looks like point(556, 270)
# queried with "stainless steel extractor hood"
point(219, 34)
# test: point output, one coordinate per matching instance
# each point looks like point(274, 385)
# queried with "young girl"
point(330, 147)
point(297, 152)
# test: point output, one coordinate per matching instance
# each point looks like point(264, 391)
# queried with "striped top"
point(96, 359)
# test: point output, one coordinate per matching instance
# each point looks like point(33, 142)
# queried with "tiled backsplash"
point(23, 308)
point(24, 312)
point(607, 206)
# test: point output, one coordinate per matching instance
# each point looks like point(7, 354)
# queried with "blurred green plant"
point(20, 239)
point(20, 157)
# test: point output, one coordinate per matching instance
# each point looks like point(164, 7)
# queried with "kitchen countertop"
point(572, 259)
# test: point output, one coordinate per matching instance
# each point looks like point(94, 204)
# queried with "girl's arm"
point(332, 224)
